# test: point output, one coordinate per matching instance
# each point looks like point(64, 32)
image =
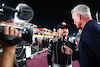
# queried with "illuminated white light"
point(54, 29)
point(3, 4)
point(63, 23)
point(2, 8)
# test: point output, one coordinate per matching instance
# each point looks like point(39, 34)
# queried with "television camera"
point(23, 13)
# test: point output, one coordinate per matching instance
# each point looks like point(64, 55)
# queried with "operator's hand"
point(67, 50)
point(7, 59)
point(10, 31)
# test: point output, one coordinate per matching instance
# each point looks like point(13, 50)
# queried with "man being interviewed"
point(60, 59)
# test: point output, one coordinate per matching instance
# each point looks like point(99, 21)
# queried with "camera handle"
point(9, 39)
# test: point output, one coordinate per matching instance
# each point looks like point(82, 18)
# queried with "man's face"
point(63, 31)
point(77, 20)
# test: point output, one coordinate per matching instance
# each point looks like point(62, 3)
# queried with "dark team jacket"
point(54, 50)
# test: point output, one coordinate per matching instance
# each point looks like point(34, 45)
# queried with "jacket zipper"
point(57, 52)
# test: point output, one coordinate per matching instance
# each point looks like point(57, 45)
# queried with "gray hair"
point(82, 9)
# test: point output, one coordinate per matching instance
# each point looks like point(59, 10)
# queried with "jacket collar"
point(89, 23)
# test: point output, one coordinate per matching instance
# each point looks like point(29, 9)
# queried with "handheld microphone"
point(63, 44)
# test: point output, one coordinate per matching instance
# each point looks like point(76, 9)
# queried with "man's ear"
point(79, 16)
point(57, 30)
point(68, 31)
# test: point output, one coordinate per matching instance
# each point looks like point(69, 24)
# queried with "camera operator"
point(7, 59)
point(26, 33)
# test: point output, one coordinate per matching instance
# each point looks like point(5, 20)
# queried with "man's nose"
point(64, 29)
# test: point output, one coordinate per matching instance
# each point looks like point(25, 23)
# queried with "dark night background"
point(49, 13)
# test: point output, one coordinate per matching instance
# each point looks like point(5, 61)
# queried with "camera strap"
point(10, 39)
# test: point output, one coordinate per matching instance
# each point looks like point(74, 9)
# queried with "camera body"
point(26, 31)
point(24, 13)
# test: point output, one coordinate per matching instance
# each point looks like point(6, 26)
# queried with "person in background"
point(44, 44)
point(36, 43)
point(47, 42)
